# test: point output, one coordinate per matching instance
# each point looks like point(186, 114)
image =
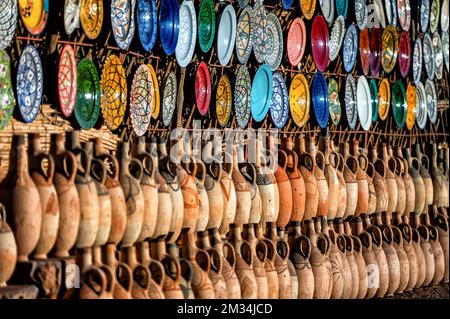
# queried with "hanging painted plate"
point(384, 99)
point(342, 8)
point(287, 4)
point(404, 14)
point(203, 88)
point(390, 7)
point(7, 100)
point(428, 55)
point(335, 103)
point(141, 96)
point(374, 99)
point(364, 103)
point(242, 96)
point(424, 15)
point(34, 14)
point(122, 22)
point(206, 25)
point(432, 100)
point(169, 25)
point(320, 43)
point(364, 50)
point(188, 34)
point(389, 48)
point(336, 37)
point(8, 22)
point(320, 99)
point(169, 98)
point(350, 101)
point(87, 107)
point(350, 49)
point(375, 50)
point(29, 83)
point(262, 87)
point(67, 80)
point(226, 36)
point(434, 15)
point(156, 103)
point(444, 16)
point(308, 7)
point(421, 110)
point(361, 13)
point(242, 3)
point(417, 60)
point(296, 41)
point(380, 19)
point(147, 23)
point(71, 15)
point(244, 35)
point(274, 44)
point(299, 100)
point(279, 106)
point(411, 104)
point(224, 98)
point(113, 85)
point(91, 17)
point(259, 34)
point(438, 56)
point(327, 7)
point(445, 48)
point(399, 107)
point(404, 54)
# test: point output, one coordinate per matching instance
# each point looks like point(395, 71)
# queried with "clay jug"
point(248, 171)
point(362, 206)
point(351, 184)
point(348, 250)
point(408, 181)
point(443, 162)
point(329, 170)
point(440, 187)
point(293, 280)
point(372, 191)
point(243, 193)
point(341, 286)
point(391, 182)
point(441, 224)
point(122, 274)
point(403, 259)
point(187, 271)
point(259, 251)
point(321, 181)
point(439, 262)
point(228, 195)
point(401, 189)
point(8, 249)
point(421, 265)
point(203, 201)
point(281, 260)
point(285, 191)
point(426, 178)
point(342, 199)
point(93, 286)
point(427, 250)
point(381, 189)
point(269, 264)
point(419, 187)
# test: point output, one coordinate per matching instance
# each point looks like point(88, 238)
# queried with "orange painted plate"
point(364, 50)
point(224, 98)
point(411, 103)
point(384, 99)
point(308, 8)
point(299, 100)
point(91, 17)
point(156, 102)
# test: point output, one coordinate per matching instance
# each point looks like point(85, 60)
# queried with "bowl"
point(147, 22)
point(188, 34)
point(421, 109)
point(319, 43)
point(242, 96)
point(320, 99)
point(389, 48)
point(71, 15)
point(364, 103)
point(299, 100)
point(384, 99)
point(404, 14)
point(169, 100)
point(399, 107)
point(417, 60)
point(296, 41)
point(308, 8)
point(226, 35)
point(122, 22)
point(279, 105)
point(375, 51)
point(203, 88)
point(350, 101)
point(274, 44)
point(335, 104)
point(261, 94)
point(6, 90)
point(364, 50)
point(244, 35)
point(223, 100)
point(404, 54)
point(411, 104)
point(91, 17)
point(169, 25)
point(350, 48)
point(67, 80)
point(141, 96)
point(206, 25)
point(34, 15)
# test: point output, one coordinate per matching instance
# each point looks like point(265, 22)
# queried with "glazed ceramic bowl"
point(432, 100)
point(87, 107)
point(206, 25)
point(374, 99)
point(8, 23)
point(122, 22)
point(379, 13)
point(375, 50)
point(224, 100)
point(335, 103)
point(342, 8)
point(421, 109)
point(274, 44)
point(384, 99)
point(389, 48)
point(438, 56)
point(417, 60)
point(319, 43)
point(147, 22)
point(308, 8)
point(296, 41)
point(279, 106)
point(259, 31)
point(91, 17)
point(361, 13)
point(242, 96)
point(399, 107)
point(390, 7)
point(350, 101)
point(404, 54)
point(320, 99)
point(262, 88)
point(428, 55)
point(327, 7)
point(242, 3)
point(364, 50)
point(364, 102)
point(188, 34)
point(244, 35)
point(203, 88)
point(434, 15)
point(350, 49)
point(156, 101)
point(424, 15)
point(404, 14)
point(6, 90)
point(71, 15)
point(411, 104)
point(336, 37)
point(169, 100)
point(226, 35)
point(67, 80)
point(444, 16)
point(141, 96)
point(34, 14)
point(169, 25)
point(299, 100)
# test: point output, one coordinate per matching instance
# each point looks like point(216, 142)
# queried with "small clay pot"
point(8, 249)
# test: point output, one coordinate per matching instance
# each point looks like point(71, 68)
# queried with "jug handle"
point(200, 172)
point(341, 163)
point(210, 170)
point(185, 265)
point(283, 249)
point(307, 161)
point(387, 234)
point(270, 250)
point(109, 275)
point(98, 171)
point(156, 266)
point(425, 162)
point(248, 171)
point(127, 270)
point(261, 251)
point(423, 232)
point(441, 222)
point(349, 242)
point(2, 214)
point(363, 162)
point(320, 160)
point(215, 262)
point(141, 276)
point(356, 243)
point(229, 253)
point(334, 159)
point(48, 174)
point(282, 159)
point(89, 276)
point(85, 162)
point(202, 259)
point(341, 243)
point(432, 230)
point(167, 259)
point(415, 163)
point(352, 164)
point(302, 246)
point(397, 235)
point(113, 165)
point(295, 159)
point(147, 165)
point(246, 253)
point(70, 170)
point(140, 171)
point(323, 244)
point(376, 235)
point(380, 167)
point(406, 232)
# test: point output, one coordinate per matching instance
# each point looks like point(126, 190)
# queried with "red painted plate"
point(203, 88)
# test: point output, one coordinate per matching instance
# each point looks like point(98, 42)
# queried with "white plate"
point(226, 36)
point(438, 56)
point(361, 13)
point(364, 102)
point(417, 60)
point(390, 7)
point(187, 35)
point(274, 44)
point(327, 7)
point(444, 16)
point(431, 95)
point(428, 55)
point(421, 109)
point(71, 15)
point(379, 10)
point(445, 48)
point(336, 37)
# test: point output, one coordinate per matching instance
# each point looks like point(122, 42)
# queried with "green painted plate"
point(399, 103)
point(87, 107)
point(7, 101)
point(335, 104)
point(206, 25)
point(374, 97)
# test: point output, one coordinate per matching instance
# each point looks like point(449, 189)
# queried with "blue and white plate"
point(390, 7)
point(432, 101)
point(259, 32)
point(417, 61)
point(424, 15)
point(242, 96)
point(350, 101)
point(279, 106)
point(8, 22)
point(428, 55)
point(361, 13)
point(147, 23)
point(169, 98)
point(350, 48)
point(188, 34)
point(244, 35)
point(274, 44)
point(320, 99)
point(122, 22)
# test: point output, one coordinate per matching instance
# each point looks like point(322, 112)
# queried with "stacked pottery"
point(439, 262)
point(285, 191)
point(440, 187)
point(228, 193)
point(441, 224)
point(372, 191)
point(427, 250)
point(379, 182)
point(321, 181)
point(339, 164)
point(243, 194)
point(391, 182)
point(8, 249)
point(426, 177)
point(203, 201)
point(340, 280)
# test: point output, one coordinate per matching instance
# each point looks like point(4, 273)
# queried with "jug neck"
point(203, 240)
point(357, 225)
point(158, 250)
point(21, 158)
point(34, 144)
point(339, 226)
point(300, 147)
point(99, 149)
point(73, 140)
point(97, 255)
point(140, 146)
point(144, 252)
point(188, 247)
point(354, 150)
point(124, 149)
point(84, 258)
point(57, 144)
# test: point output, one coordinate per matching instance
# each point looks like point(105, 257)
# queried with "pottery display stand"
point(19, 292)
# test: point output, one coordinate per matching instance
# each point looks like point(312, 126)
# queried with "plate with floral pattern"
point(122, 22)
point(361, 13)
point(279, 106)
point(421, 109)
point(274, 44)
point(389, 48)
point(71, 15)
point(224, 100)
point(434, 15)
point(438, 56)
point(91, 17)
point(7, 100)
point(259, 32)
point(244, 35)
point(141, 96)
point(188, 34)
point(242, 96)
point(428, 55)
point(350, 48)
point(350, 101)
point(432, 100)
point(424, 15)
point(299, 100)
point(417, 60)
point(67, 80)
point(87, 107)
point(8, 23)
point(335, 103)
point(169, 98)
point(336, 37)
point(308, 8)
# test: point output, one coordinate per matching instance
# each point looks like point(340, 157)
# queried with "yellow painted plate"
point(91, 17)
point(384, 99)
point(224, 98)
point(389, 48)
point(156, 102)
point(411, 103)
point(308, 7)
point(299, 100)
point(34, 14)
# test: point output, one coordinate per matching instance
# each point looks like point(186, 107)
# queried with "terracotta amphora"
point(285, 191)
point(259, 251)
point(427, 250)
point(403, 259)
point(203, 201)
point(401, 190)
point(424, 171)
point(281, 260)
point(421, 264)
point(408, 182)
point(391, 182)
point(121, 272)
point(351, 184)
point(441, 224)
point(419, 186)
point(321, 181)
point(243, 192)
point(187, 271)
point(370, 172)
point(331, 162)
point(361, 179)
point(228, 194)
point(248, 171)
point(443, 162)
point(439, 262)
point(156, 268)
point(440, 187)
point(8, 249)
point(269, 264)
point(341, 285)
point(342, 199)
point(381, 189)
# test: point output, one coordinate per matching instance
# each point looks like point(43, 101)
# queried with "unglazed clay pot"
point(321, 181)
point(281, 261)
point(203, 201)
point(426, 178)
point(43, 179)
point(408, 182)
point(372, 191)
point(419, 187)
point(133, 194)
point(443, 163)
point(391, 182)
point(426, 249)
point(284, 189)
point(215, 197)
point(439, 262)
point(8, 249)
point(337, 255)
point(187, 271)
point(361, 179)
point(381, 189)
point(347, 248)
point(259, 251)
point(248, 171)
point(351, 185)
point(311, 190)
point(157, 271)
point(331, 163)
point(421, 264)
point(440, 186)
point(442, 226)
point(269, 264)
point(300, 255)
point(228, 195)
point(342, 199)
point(243, 194)
point(403, 259)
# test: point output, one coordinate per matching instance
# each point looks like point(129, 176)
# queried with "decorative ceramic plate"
point(244, 35)
point(384, 99)
point(71, 15)
point(374, 99)
point(147, 21)
point(188, 34)
point(279, 106)
point(259, 32)
point(203, 88)
point(224, 100)
point(421, 110)
point(299, 100)
point(404, 14)
point(417, 60)
point(169, 25)
point(428, 55)
point(411, 104)
point(274, 44)
point(91, 17)
point(308, 7)
point(287, 4)
point(87, 107)
point(169, 98)
point(226, 35)
point(156, 103)
point(350, 49)
point(335, 103)
point(424, 15)
point(122, 22)
point(206, 25)
point(262, 88)
point(389, 48)
point(434, 15)
point(432, 100)
point(438, 56)
point(404, 54)
point(113, 85)
point(399, 107)
point(342, 8)
point(375, 50)
point(336, 37)
point(364, 50)
point(364, 103)
point(141, 96)
point(29, 83)
point(379, 11)
point(361, 13)
point(320, 99)
point(242, 96)
point(34, 14)
point(390, 7)
point(8, 22)
point(444, 16)
point(67, 80)
point(327, 7)
point(350, 101)
point(7, 101)
point(445, 48)
point(296, 41)
point(319, 43)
